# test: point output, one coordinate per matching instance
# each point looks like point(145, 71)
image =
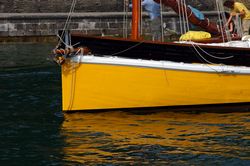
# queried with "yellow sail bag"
point(195, 35)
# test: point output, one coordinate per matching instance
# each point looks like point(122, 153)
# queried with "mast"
point(205, 24)
point(136, 15)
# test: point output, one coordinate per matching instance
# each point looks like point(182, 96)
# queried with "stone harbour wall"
point(46, 17)
point(63, 6)
point(47, 24)
point(93, 23)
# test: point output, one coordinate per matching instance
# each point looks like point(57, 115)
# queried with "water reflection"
point(160, 138)
point(25, 55)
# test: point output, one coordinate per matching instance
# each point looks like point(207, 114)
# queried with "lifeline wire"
point(126, 49)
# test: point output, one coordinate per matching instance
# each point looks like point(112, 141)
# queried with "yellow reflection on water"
point(100, 137)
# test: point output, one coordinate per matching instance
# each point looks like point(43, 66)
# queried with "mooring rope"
point(72, 88)
point(67, 22)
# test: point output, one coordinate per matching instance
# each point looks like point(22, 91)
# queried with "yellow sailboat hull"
point(90, 86)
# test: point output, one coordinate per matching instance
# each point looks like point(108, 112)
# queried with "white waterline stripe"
point(162, 64)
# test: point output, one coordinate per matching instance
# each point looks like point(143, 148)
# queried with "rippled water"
point(35, 132)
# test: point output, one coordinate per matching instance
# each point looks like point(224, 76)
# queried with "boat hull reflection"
point(126, 138)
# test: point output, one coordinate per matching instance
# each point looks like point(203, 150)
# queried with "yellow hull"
point(87, 86)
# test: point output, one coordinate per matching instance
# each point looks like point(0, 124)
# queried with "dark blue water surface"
point(34, 131)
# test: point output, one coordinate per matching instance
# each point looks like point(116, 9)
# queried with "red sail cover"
point(205, 24)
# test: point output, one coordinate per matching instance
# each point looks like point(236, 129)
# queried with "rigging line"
point(181, 17)
point(205, 60)
point(71, 16)
point(182, 14)
point(123, 30)
point(179, 8)
point(162, 32)
point(220, 21)
point(127, 23)
point(141, 19)
point(125, 18)
point(186, 16)
point(79, 50)
point(76, 44)
point(66, 43)
point(127, 49)
point(223, 58)
point(201, 55)
point(228, 34)
point(68, 18)
point(221, 10)
point(61, 40)
point(238, 25)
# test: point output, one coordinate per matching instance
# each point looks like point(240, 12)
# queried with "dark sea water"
point(34, 131)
